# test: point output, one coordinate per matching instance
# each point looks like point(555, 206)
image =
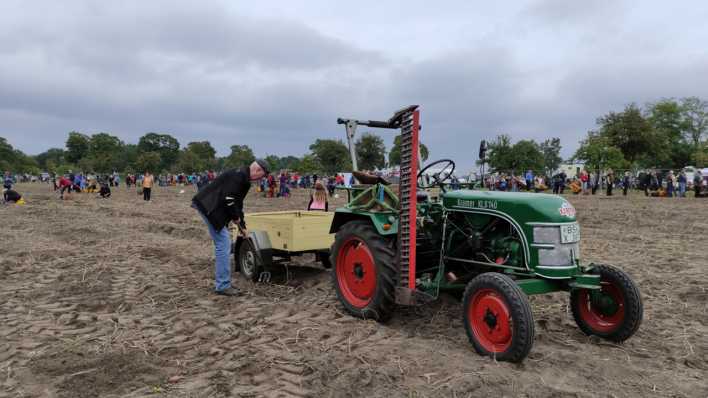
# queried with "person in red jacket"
point(64, 186)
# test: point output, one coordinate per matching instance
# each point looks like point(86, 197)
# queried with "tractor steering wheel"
point(437, 178)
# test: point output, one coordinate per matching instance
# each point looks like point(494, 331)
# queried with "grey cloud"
point(214, 72)
point(561, 12)
point(192, 65)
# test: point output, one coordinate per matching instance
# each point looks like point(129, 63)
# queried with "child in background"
point(318, 199)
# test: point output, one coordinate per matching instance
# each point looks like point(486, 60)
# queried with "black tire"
point(379, 301)
point(248, 263)
point(491, 292)
point(323, 258)
point(619, 322)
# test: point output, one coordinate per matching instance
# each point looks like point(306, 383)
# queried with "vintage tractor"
point(492, 248)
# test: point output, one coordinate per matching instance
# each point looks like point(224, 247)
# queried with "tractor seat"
point(422, 197)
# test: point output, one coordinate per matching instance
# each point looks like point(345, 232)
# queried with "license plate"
point(570, 233)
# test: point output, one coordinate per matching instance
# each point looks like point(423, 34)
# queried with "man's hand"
point(243, 231)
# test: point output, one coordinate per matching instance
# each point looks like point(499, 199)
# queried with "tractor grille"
point(551, 252)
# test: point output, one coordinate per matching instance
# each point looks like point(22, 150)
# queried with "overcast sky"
point(276, 75)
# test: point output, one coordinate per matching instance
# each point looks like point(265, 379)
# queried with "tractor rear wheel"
point(365, 271)
point(498, 318)
point(614, 312)
point(248, 262)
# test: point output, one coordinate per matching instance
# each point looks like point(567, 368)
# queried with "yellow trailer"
point(277, 237)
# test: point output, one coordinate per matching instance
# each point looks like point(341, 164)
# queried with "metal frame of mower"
point(491, 248)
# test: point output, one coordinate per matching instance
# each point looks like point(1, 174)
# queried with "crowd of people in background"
point(653, 183)
point(278, 185)
point(281, 184)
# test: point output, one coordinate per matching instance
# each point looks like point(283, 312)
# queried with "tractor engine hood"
point(523, 207)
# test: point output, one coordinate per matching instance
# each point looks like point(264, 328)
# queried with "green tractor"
point(491, 248)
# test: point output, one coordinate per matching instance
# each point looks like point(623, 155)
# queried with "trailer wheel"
point(613, 313)
point(498, 318)
point(248, 262)
point(365, 271)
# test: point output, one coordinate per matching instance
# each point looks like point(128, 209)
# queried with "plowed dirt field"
point(114, 298)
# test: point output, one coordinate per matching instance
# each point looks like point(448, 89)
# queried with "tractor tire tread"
point(634, 308)
point(382, 305)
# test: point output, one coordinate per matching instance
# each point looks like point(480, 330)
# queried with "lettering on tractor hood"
point(478, 203)
point(567, 210)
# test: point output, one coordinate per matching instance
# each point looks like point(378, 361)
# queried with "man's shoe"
point(229, 291)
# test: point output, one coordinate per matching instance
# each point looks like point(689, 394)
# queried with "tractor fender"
point(378, 220)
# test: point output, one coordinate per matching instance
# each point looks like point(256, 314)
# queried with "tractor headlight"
point(557, 245)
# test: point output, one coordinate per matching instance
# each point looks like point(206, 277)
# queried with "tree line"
point(667, 134)
point(162, 153)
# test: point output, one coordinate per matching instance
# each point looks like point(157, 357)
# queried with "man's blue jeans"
point(222, 251)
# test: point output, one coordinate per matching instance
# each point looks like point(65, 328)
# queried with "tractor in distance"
point(492, 248)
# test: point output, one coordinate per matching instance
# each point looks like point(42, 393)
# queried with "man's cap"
point(264, 165)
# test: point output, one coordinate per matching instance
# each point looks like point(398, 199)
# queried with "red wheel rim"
point(356, 272)
point(600, 319)
point(490, 320)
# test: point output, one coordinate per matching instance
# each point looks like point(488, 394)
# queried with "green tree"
point(526, 155)
point(597, 153)
point(700, 157)
point(550, 149)
point(695, 113)
point(370, 152)
point(628, 131)
point(671, 149)
point(241, 156)
point(197, 157)
point(332, 155)
point(148, 161)
point(189, 162)
point(274, 162)
point(499, 154)
point(394, 156)
point(289, 163)
point(8, 156)
point(14, 160)
point(204, 152)
point(51, 157)
point(77, 146)
point(309, 164)
point(165, 145)
point(128, 158)
point(105, 153)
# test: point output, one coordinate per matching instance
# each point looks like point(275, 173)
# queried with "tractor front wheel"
point(614, 312)
point(498, 317)
point(365, 271)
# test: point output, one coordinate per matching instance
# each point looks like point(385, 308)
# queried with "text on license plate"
point(570, 233)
